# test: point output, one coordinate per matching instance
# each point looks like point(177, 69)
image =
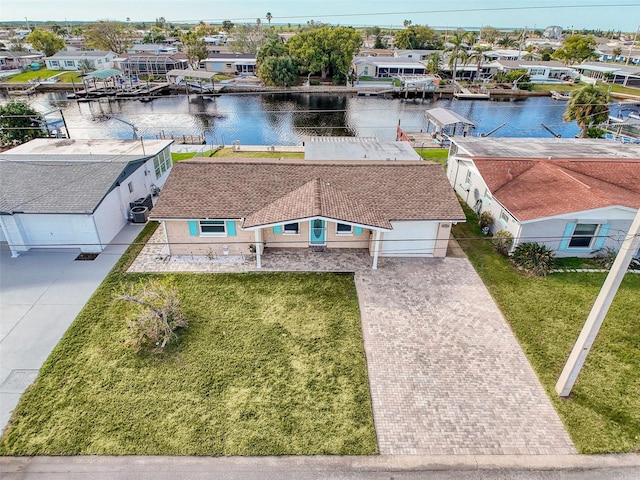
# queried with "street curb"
point(369, 463)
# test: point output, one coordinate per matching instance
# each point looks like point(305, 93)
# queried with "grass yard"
point(439, 155)
point(271, 364)
point(228, 152)
point(546, 314)
point(66, 76)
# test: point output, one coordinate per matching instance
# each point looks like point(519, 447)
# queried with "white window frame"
point(130, 187)
point(344, 233)
point(291, 232)
point(162, 162)
point(593, 237)
point(54, 63)
point(504, 216)
point(69, 63)
point(211, 223)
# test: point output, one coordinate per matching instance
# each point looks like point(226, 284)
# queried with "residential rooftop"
point(519, 148)
point(346, 148)
point(266, 191)
point(87, 150)
point(533, 188)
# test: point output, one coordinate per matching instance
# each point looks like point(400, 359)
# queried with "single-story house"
point(608, 53)
point(422, 55)
point(538, 70)
point(16, 60)
point(60, 193)
point(357, 148)
point(625, 75)
point(152, 48)
point(576, 196)
point(241, 206)
point(387, 67)
point(230, 63)
point(66, 60)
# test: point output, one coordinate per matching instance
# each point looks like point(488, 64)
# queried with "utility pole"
point(635, 37)
point(599, 310)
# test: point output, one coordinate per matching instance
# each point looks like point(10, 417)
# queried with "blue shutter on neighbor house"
point(193, 228)
point(357, 230)
point(602, 236)
point(566, 236)
point(231, 228)
point(277, 229)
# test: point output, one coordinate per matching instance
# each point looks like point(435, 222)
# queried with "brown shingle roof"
point(268, 191)
point(317, 198)
point(535, 188)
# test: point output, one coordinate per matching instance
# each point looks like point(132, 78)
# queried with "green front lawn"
point(546, 314)
point(271, 364)
point(439, 155)
point(67, 76)
point(228, 152)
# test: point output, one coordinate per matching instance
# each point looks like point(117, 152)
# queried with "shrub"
point(486, 220)
point(607, 256)
point(534, 258)
point(503, 240)
point(153, 324)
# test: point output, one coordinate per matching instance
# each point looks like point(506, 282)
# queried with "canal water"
point(285, 119)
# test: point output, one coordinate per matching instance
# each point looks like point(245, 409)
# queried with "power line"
point(434, 11)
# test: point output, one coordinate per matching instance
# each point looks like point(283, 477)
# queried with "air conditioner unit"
point(466, 187)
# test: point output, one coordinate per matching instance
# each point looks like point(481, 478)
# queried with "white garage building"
point(60, 193)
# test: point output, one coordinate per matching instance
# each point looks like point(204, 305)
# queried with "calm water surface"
point(285, 119)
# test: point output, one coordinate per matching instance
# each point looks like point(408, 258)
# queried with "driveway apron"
point(446, 373)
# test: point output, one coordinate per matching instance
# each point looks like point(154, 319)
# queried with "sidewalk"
point(319, 467)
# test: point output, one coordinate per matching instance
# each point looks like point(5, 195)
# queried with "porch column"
point(258, 249)
point(376, 249)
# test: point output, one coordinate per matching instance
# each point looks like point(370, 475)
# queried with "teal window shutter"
point(277, 229)
point(357, 230)
point(566, 236)
point(602, 236)
point(193, 228)
point(231, 228)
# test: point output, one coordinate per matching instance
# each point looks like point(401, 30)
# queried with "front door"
point(317, 232)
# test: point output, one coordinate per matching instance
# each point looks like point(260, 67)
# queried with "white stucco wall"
point(550, 231)
point(109, 218)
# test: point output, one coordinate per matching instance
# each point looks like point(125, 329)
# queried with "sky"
point(590, 14)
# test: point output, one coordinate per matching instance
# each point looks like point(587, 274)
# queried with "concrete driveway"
point(41, 292)
point(446, 373)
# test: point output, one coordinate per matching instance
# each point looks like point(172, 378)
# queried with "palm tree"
point(406, 23)
point(506, 41)
point(588, 106)
point(478, 55)
point(530, 55)
point(458, 50)
point(268, 16)
point(434, 63)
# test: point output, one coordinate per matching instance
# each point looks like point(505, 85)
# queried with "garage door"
point(410, 239)
point(63, 231)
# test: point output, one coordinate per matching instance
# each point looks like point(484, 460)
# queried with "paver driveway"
point(447, 376)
